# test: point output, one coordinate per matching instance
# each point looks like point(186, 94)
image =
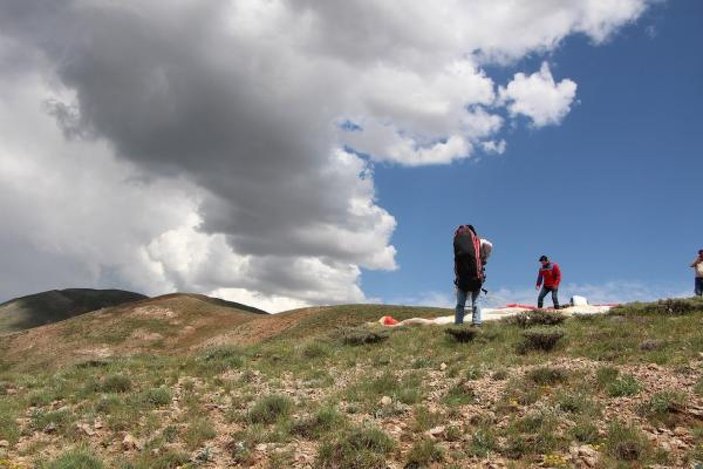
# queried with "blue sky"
point(287, 153)
point(612, 193)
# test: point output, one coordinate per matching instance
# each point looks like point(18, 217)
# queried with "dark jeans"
point(699, 286)
point(543, 293)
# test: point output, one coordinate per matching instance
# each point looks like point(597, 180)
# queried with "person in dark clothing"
point(470, 256)
point(550, 274)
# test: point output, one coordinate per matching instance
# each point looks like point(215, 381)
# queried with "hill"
point(165, 324)
point(324, 387)
point(56, 305)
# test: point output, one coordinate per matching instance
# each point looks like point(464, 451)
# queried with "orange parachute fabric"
point(388, 321)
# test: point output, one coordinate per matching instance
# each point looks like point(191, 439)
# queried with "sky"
point(287, 153)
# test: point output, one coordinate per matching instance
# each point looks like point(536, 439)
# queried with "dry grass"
point(293, 394)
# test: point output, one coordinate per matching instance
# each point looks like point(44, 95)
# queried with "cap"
point(543, 258)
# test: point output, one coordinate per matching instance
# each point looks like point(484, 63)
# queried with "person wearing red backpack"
point(470, 256)
point(551, 275)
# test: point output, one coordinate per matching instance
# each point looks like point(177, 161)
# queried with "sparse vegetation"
point(625, 386)
point(360, 336)
point(462, 334)
point(357, 448)
point(333, 391)
point(626, 443)
point(540, 339)
point(269, 409)
point(538, 317)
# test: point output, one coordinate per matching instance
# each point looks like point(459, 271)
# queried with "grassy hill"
point(166, 324)
point(322, 387)
point(56, 305)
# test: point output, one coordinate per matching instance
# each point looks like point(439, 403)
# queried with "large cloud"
point(214, 146)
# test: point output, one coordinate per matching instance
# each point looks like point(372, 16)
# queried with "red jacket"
point(550, 274)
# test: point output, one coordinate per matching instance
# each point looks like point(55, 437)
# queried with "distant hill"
point(177, 324)
point(166, 324)
point(56, 305)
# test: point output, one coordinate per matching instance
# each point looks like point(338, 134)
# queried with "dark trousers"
point(543, 293)
point(699, 286)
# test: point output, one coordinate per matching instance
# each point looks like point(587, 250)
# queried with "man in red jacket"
point(550, 273)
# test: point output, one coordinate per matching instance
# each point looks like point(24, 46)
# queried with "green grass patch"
point(116, 384)
point(459, 394)
point(360, 447)
point(483, 442)
point(541, 339)
point(423, 453)
point(626, 443)
point(9, 430)
point(626, 385)
point(77, 458)
point(664, 408)
point(359, 336)
point(462, 334)
point(548, 376)
point(538, 317)
point(269, 409)
point(199, 431)
point(322, 422)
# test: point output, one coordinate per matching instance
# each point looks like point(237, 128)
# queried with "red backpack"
point(467, 259)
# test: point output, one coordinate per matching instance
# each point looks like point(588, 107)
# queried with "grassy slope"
point(56, 305)
point(166, 324)
point(622, 389)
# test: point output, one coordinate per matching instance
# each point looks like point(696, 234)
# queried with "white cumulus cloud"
point(229, 146)
point(539, 97)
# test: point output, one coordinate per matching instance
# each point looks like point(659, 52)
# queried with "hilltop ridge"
point(56, 305)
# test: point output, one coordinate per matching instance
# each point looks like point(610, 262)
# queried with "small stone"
point(443, 366)
point(50, 428)
point(129, 442)
point(680, 431)
point(85, 428)
point(385, 400)
point(261, 447)
point(4, 444)
point(436, 431)
point(98, 425)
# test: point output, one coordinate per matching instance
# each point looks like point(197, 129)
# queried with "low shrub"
point(584, 431)
point(651, 345)
point(625, 386)
point(116, 384)
point(269, 409)
point(461, 334)
point(222, 358)
point(669, 306)
point(460, 394)
point(540, 339)
point(664, 407)
point(359, 336)
point(576, 403)
point(323, 421)
point(606, 375)
point(361, 447)
point(198, 432)
point(78, 458)
point(547, 376)
point(626, 443)
point(423, 453)
point(538, 317)
point(483, 442)
point(157, 397)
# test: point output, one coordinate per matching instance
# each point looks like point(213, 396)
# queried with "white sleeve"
point(486, 249)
